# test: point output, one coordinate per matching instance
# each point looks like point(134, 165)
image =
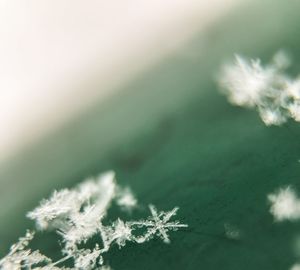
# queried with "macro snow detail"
point(77, 215)
point(268, 89)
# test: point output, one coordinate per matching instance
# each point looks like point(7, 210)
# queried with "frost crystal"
point(273, 93)
point(19, 256)
point(158, 224)
point(77, 215)
point(126, 199)
point(285, 205)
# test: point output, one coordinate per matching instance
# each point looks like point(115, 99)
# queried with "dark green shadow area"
point(176, 141)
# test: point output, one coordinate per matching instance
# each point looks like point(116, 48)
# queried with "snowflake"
point(77, 215)
point(158, 224)
point(285, 205)
point(245, 81)
point(125, 199)
point(267, 88)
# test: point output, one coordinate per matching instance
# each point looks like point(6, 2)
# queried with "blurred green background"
point(176, 141)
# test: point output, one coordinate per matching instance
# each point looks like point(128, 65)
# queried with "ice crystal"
point(77, 215)
point(274, 94)
point(87, 259)
point(20, 256)
point(126, 199)
point(285, 205)
point(158, 224)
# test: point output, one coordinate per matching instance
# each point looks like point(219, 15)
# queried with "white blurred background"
point(58, 57)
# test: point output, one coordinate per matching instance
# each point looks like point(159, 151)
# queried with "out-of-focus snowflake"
point(274, 94)
point(285, 204)
point(232, 232)
point(125, 199)
point(77, 215)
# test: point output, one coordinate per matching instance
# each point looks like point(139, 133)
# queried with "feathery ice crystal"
point(274, 94)
point(77, 215)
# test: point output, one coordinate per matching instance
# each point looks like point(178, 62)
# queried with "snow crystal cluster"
point(274, 94)
point(77, 215)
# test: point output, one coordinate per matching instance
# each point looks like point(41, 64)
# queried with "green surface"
point(176, 142)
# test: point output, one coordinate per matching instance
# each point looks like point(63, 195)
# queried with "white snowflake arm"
point(158, 224)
